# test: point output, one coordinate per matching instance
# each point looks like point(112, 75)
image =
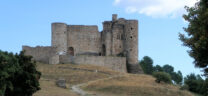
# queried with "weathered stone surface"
point(112, 62)
point(119, 38)
point(61, 83)
point(54, 59)
point(40, 53)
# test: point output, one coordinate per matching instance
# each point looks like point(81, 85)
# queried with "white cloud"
point(155, 8)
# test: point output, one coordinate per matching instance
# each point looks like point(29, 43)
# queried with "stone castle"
point(115, 47)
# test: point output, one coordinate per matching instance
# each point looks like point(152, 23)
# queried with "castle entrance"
point(71, 51)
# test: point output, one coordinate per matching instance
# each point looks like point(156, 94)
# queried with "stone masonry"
point(117, 43)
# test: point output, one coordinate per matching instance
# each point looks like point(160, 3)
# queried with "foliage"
point(177, 77)
point(162, 76)
point(204, 89)
point(196, 84)
point(184, 87)
point(168, 69)
point(197, 31)
point(147, 65)
point(148, 68)
point(8, 67)
point(18, 75)
point(158, 68)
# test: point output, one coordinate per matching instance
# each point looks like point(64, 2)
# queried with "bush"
point(184, 87)
point(162, 76)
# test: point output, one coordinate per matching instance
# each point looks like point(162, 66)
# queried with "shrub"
point(184, 87)
point(162, 76)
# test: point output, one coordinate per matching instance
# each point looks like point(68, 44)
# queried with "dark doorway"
point(71, 51)
point(103, 50)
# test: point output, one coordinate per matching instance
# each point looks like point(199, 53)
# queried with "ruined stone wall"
point(114, 63)
point(39, 53)
point(84, 39)
point(131, 41)
point(117, 40)
point(107, 38)
point(59, 37)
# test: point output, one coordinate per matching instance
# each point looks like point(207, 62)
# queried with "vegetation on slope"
point(73, 74)
point(132, 85)
point(18, 75)
point(49, 88)
point(120, 85)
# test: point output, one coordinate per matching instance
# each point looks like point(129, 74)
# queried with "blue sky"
point(28, 22)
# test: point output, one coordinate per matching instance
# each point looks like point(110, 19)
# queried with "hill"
point(102, 81)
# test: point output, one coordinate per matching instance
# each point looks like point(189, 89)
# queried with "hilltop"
point(100, 80)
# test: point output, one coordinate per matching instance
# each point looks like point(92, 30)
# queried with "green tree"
point(195, 82)
point(19, 76)
point(204, 89)
point(162, 76)
point(177, 77)
point(8, 67)
point(168, 68)
point(147, 65)
point(158, 68)
point(197, 31)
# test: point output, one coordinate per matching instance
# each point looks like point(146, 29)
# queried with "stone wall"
point(114, 63)
point(39, 53)
point(131, 41)
point(59, 37)
point(84, 39)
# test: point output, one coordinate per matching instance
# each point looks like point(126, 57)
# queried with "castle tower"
point(131, 46)
point(131, 42)
point(107, 38)
point(59, 37)
point(114, 17)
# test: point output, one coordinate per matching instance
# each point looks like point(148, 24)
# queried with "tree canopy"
point(148, 68)
point(196, 84)
point(197, 34)
point(18, 75)
point(147, 65)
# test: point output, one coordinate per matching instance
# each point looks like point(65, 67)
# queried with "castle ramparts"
point(115, 47)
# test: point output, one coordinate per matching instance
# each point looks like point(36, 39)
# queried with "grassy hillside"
point(74, 74)
point(134, 85)
point(48, 88)
point(120, 85)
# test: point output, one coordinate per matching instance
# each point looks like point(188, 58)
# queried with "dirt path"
point(78, 90)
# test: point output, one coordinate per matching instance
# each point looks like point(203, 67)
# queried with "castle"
point(115, 47)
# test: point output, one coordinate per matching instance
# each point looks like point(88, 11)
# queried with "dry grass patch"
point(74, 74)
point(48, 88)
point(135, 85)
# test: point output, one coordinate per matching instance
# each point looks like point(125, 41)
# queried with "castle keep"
point(115, 47)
